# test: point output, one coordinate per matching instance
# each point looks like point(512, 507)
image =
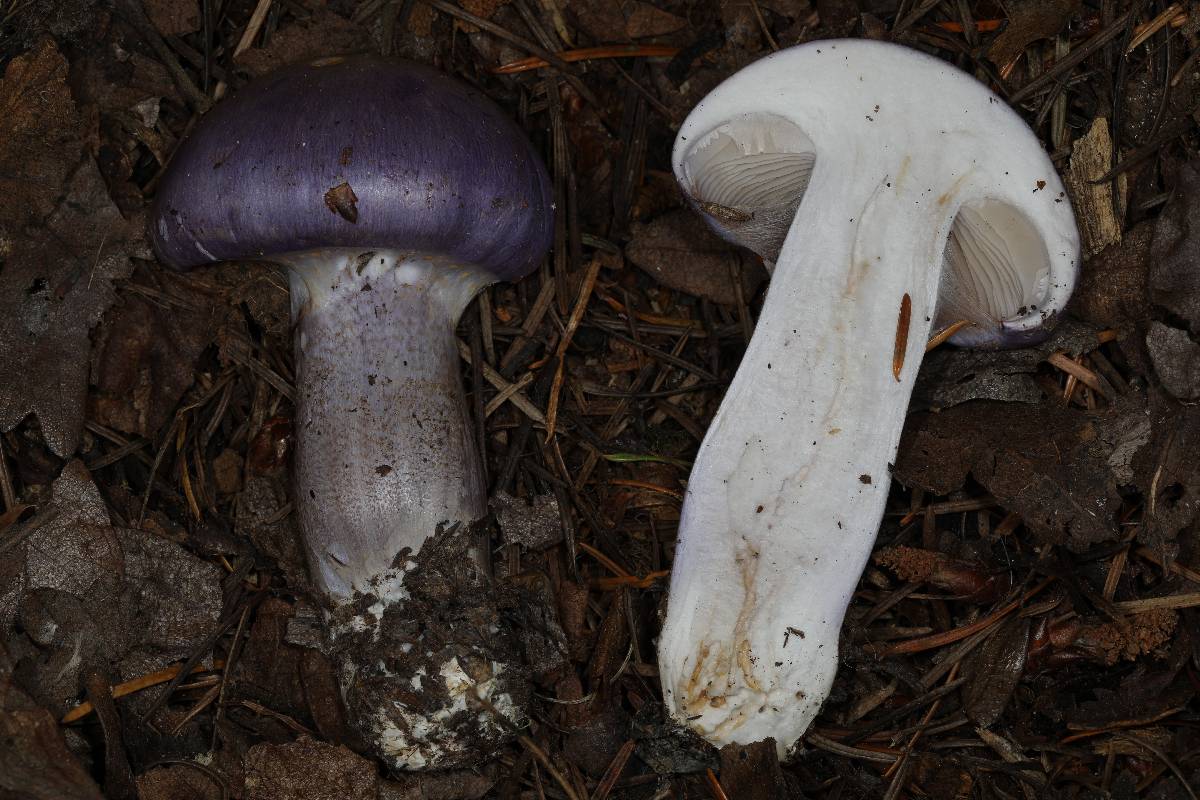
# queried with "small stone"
point(535, 525)
point(1176, 359)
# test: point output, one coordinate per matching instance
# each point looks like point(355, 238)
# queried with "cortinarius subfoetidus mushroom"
point(394, 195)
point(892, 194)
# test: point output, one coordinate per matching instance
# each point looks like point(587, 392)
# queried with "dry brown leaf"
point(91, 595)
point(1175, 250)
point(1112, 284)
point(646, 20)
point(35, 763)
point(598, 18)
point(41, 139)
point(62, 245)
point(269, 667)
point(950, 376)
point(678, 250)
point(467, 784)
point(308, 770)
point(1174, 284)
point(482, 8)
point(144, 354)
point(322, 34)
point(1176, 359)
point(173, 17)
point(1141, 697)
point(177, 781)
point(993, 671)
point(1047, 463)
point(751, 772)
point(1028, 21)
point(536, 524)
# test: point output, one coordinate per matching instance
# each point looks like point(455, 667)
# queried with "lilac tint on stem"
point(384, 447)
point(356, 152)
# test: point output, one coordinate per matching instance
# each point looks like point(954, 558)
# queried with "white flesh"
point(788, 489)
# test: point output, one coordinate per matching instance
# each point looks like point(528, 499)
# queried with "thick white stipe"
point(885, 149)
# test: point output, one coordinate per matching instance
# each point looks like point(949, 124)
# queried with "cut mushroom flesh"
point(891, 194)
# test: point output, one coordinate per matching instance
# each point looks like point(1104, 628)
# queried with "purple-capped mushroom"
point(393, 194)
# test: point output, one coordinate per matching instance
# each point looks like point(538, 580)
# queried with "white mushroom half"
point(892, 194)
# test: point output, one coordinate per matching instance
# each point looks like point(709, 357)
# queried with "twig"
point(1174, 566)
point(208, 772)
point(257, 18)
point(530, 745)
point(879, 757)
point(497, 380)
point(1189, 600)
point(135, 14)
point(136, 685)
point(564, 342)
point(762, 25)
point(521, 42)
point(714, 785)
point(7, 493)
point(23, 530)
point(589, 54)
point(951, 636)
point(615, 768)
point(1077, 57)
point(943, 336)
point(1153, 748)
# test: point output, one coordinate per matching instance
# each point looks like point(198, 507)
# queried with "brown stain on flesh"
point(902, 325)
point(713, 675)
point(950, 193)
point(902, 173)
point(725, 213)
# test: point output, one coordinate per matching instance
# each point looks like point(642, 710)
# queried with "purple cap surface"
point(356, 152)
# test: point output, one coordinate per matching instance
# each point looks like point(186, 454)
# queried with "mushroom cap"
point(356, 152)
point(875, 117)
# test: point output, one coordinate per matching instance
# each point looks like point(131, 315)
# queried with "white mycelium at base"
point(426, 739)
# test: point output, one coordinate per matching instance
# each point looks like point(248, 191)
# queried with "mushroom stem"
point(790, 482)
point(384, 450)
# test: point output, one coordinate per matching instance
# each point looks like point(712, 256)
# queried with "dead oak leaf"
point(646, 20)
point(679, 251)
point(172, 18)
point(1174, 282)
point(55, 284)
point(1049, 464)
point(35, 762)
point(310, 770)
point(1176, 359)
point(62, 244)
point(950, 376)
point(322, 34)
point(144, 352)
point(85, 592)
point(40, 139)
point(1028, 21)
point(1175, 287)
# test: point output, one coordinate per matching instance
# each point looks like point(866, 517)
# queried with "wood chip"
point(1099, 225)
